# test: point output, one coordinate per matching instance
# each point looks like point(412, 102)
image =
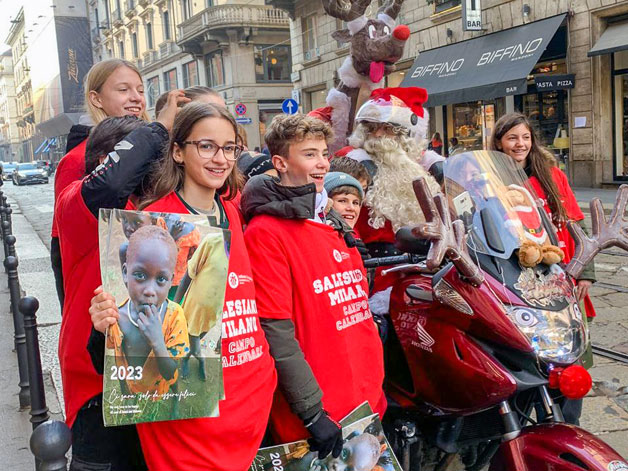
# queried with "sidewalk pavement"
point(585, 195)
point(35, 280)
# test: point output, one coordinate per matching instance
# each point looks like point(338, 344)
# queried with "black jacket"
point(78, 133)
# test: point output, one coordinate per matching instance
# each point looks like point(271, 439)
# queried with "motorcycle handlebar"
point(389, 261)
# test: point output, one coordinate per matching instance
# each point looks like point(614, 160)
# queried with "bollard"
point(10, 263)
point(39, 411)
point(6, 232)
point(49, 443)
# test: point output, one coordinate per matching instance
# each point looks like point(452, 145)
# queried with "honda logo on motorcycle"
point(425, 340)
point(617, 466)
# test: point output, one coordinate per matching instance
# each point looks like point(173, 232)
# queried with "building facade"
point(23, 89)
point(582, 119)
point(9, 137)
point(51, 55)
point(239, 49)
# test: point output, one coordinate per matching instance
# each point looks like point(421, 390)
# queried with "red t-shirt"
point(71, 168)
point(304, 271)
point(78, 237)
point(574, 213)
point(228, 442)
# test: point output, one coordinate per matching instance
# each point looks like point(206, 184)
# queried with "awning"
point(491, 66)
point(613, 39)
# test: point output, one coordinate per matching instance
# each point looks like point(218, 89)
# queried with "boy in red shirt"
point(311, 292)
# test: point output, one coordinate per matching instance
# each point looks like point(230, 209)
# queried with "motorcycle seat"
point(409, 243)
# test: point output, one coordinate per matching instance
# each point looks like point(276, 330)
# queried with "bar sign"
point(471, 15)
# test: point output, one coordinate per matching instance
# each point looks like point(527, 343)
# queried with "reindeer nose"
point(401, 32)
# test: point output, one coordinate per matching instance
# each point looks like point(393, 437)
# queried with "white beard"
point(391, 196)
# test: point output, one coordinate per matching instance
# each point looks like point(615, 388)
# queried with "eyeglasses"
point(208, 149)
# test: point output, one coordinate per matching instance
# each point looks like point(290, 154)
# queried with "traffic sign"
point(240, 109)
point(289, 106)
point(244, 120)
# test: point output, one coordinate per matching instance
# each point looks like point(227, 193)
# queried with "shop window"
point(395, 79)
point(442, 5)
point(214, 69)
point(190, 75)
point(473, 122)
point(170, 80)
point(152, 90)
point(317, 99)
point(620, 98)
point(272, 63)
point(308, 33)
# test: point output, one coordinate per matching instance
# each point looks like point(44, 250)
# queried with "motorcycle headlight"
point(557, 337)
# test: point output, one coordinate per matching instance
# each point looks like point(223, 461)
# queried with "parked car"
point(29, 173)
point(7, 170)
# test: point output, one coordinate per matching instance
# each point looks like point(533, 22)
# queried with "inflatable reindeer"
point(375, 46)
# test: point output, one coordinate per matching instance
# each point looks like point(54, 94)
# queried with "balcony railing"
point(143, 3)
point(223, 16)
point(167, 49)
point(149, 57)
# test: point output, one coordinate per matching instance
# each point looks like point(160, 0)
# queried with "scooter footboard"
point(553, 447)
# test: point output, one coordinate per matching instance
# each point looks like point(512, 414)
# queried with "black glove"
point(326, 435)
point(359, 244)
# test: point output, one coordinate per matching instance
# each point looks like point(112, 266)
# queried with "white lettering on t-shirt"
point(240, 319)
point(342, 288)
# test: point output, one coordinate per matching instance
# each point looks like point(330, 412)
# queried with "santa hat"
point(399, 106)
point(324, 114)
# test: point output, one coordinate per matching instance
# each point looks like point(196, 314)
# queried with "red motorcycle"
point(477, 346)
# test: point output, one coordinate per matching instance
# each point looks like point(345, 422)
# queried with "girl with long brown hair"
point(514, 136)
point(199, 176)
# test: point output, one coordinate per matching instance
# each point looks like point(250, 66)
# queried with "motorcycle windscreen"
point(493, 198)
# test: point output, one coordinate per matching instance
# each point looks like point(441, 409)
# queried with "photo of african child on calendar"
point(144, 378)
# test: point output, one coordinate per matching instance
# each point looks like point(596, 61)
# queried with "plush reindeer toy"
point(375, 46)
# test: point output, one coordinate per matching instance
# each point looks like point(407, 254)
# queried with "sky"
point(8, 11)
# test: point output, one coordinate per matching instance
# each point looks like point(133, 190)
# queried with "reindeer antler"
point(391, 8)
point(347, 10)
point(448, 238)
point(613, 232)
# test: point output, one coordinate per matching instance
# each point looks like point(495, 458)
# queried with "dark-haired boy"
point(311, 292)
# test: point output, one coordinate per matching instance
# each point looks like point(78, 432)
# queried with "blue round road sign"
point(240, 109)
point(290, 106)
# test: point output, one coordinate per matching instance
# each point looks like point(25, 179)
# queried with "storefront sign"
point(490, 66)
point(546, 83)
point(471, 15)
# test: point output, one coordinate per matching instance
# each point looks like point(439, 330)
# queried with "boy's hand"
point(103, 310)
point(149, 323)
point(171, 108)
point(326, 436)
